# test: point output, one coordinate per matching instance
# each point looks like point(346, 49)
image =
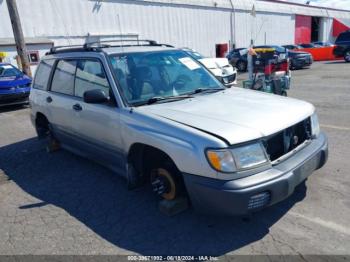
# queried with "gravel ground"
point(60, 203)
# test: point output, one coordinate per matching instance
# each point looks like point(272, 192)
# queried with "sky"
point(341, 4)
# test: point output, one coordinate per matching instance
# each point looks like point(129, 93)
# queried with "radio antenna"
point(121, 32)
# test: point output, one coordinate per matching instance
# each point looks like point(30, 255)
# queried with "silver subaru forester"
point(154, 115)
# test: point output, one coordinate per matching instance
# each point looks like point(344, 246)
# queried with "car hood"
point(14, 81)
point(236, 115)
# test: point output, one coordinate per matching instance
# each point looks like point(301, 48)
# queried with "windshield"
point(145, 75)
point(9, 71)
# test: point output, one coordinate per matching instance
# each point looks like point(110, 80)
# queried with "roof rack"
point(96, 46)
point(70, 48)
point(131, 42)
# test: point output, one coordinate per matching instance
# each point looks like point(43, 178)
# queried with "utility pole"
point(18, 34)
point(251, 51)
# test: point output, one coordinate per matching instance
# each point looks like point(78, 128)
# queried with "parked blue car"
point(14, 85)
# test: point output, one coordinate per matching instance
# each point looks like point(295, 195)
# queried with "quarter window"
point(90, 75)
point(63, 79)
point(43, 74)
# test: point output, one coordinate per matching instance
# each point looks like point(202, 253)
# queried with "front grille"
point(285, 141)
point(13, 97)
point(7, 88)
point(231, 78)
point(24, 86)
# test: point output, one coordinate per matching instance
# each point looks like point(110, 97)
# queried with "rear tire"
point(42, 126)
point(241, 66)
point(44, 131)
point(53, 144)
point(347, 56)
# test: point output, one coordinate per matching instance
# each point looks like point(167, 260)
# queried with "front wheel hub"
point(163, 183)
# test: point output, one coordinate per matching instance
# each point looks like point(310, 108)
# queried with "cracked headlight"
point(239, 158)
point(315, 126)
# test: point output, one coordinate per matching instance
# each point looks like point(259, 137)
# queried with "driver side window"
point(90, 75)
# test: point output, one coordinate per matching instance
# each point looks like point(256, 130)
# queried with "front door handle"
point(77, 107)
point(49, 99)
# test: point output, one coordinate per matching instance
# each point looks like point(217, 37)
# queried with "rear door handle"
point(77, 107)
point(49, 99)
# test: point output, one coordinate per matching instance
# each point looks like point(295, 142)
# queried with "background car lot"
point(63, 204)
point(239, 58)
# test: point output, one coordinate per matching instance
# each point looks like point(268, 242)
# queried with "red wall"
point(339, 27)
point(302, 29)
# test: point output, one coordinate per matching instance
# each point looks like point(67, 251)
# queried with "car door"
point(97, 125)
point(60, 100)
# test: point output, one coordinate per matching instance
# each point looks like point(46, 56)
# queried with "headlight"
point(249, 156)
point(315, 126)
point(239, 158)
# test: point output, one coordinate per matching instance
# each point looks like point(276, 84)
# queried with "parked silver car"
point(154, 115)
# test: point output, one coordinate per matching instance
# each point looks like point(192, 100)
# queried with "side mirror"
point(95, 96)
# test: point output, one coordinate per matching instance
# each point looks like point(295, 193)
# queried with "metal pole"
point(250, 57)
point(233, 26)
point(250, 61)
point(18, 34)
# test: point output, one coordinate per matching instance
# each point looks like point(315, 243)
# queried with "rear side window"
point(90, 75)
point(63, 78)
point(43, 74)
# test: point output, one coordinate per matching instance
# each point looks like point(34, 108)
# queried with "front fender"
point(184, 145)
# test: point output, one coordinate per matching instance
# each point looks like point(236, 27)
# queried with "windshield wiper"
point(157, 99)
point(206, 90)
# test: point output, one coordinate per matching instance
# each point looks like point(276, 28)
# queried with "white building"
point(199, 24)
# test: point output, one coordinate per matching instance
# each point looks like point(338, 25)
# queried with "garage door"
point(302, 29)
